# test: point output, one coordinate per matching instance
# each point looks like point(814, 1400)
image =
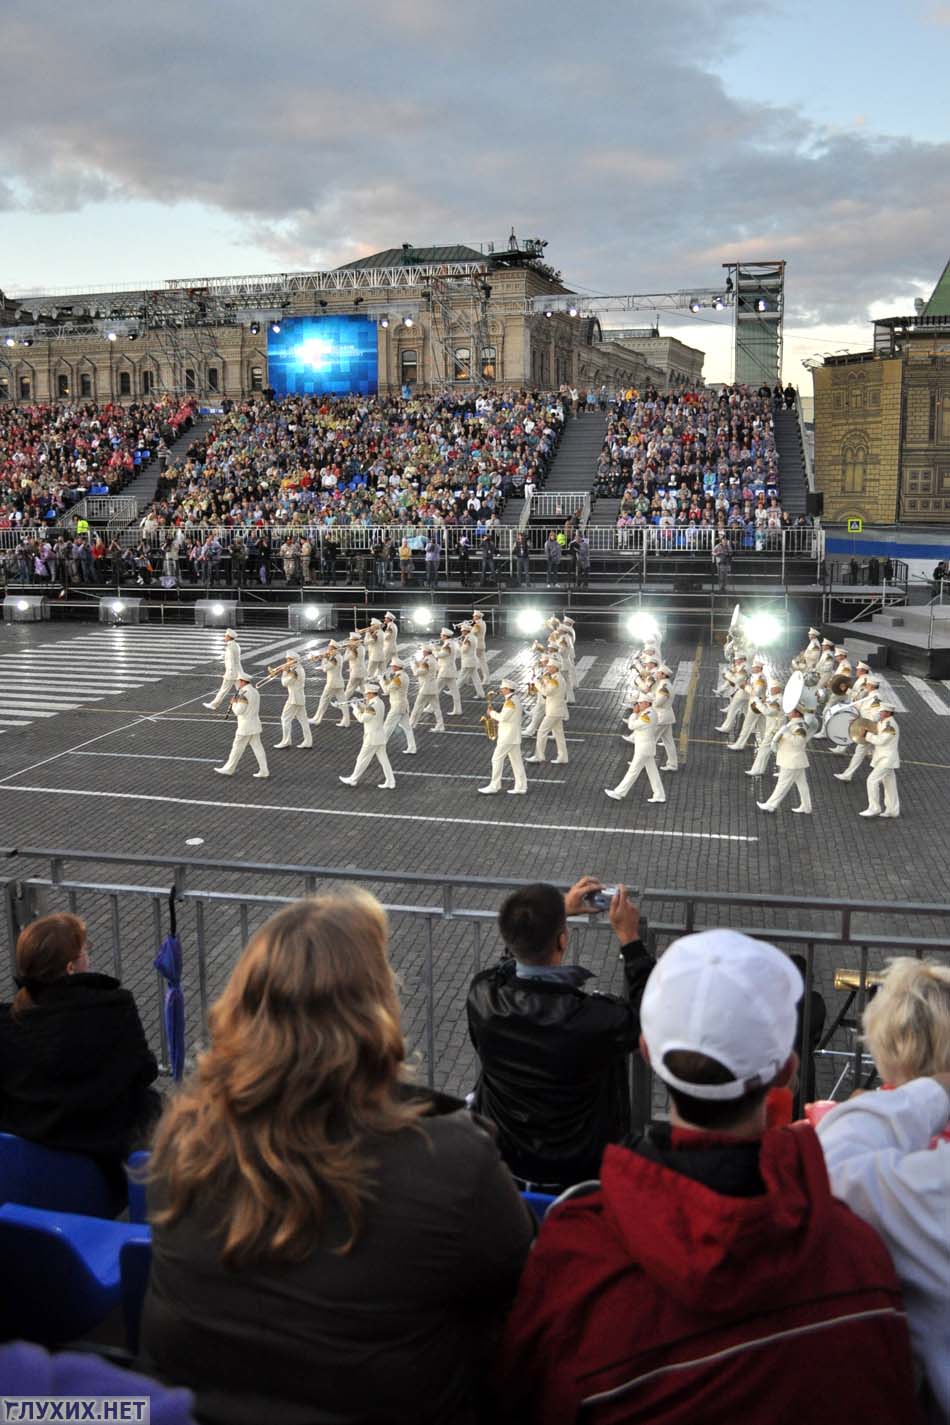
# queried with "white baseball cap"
point(725, 995)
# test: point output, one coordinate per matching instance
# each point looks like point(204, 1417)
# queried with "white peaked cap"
point(290, 657)
point(371, 688)
point(445, 632)
point(506, 683)
point(229, 633)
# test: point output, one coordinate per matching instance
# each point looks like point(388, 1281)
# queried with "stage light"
point(719, 304)
point(133, 336)
point(217, 610)
point(695, 306)
point(384, 321)
point(642, 627)
point(112, 336)
point(548, 312)
point(572, 311)
point(407, 321)
point(118, 607)
point(255, 328)
point(311, 612)
point(762, 629)
point(22, 606)
point(422, 618)
point(275, 327)
point(27, 341)
point(761, 305)
point(10, 341)
point(529, 620)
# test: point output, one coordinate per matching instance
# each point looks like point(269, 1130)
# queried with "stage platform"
point(916, 640)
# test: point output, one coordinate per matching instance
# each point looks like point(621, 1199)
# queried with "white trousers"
point(883, 779)
point(537, 714)
point(515, 761)
point(354, 686)
point(377, 750)
point(427, 702)
point(481, 664)
point(667, 741)
point(789, 777)
point(752, 722)
point(394, 719)
point(861, 751)
point(291, 713)
point(227, 683)
point(238, 746)
point(761, 763)
point(469, 673)
point(374, 669)
point(732, 713)
point(453, 687)
point(329, 695)
point(644, 761)
point(551, 727)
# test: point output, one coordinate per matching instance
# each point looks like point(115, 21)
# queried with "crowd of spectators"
point(318, 462)
point(694, 460)
point(330, 1241)
point(53, 455)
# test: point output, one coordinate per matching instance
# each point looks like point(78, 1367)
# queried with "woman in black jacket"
point(75, 1067)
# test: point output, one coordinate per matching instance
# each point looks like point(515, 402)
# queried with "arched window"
point(257, 378)
point(146, 383)
point(212, 378)
point(408, 367)
point(85, 384)
point(488, 363)
point(854, 461)
point(463, 363)
point(62, 384)
point(125, 383)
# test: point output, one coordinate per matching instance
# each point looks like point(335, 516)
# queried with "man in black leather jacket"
point(554, 1073)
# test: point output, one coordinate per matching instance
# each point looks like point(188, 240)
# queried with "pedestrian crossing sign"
point(855, 526)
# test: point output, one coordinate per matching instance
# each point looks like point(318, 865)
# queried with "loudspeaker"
point(815, 502)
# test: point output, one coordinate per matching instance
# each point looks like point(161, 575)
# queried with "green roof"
point(939, 304)
point(414, 257)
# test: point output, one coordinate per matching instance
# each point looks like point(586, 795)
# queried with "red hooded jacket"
point(708, 1283)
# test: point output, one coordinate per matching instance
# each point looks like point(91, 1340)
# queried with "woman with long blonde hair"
point(328, 1244)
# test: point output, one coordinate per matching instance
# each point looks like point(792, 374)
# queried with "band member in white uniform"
point(232, 669)
point(645, 728)
point(562, 650)
point(666, 720)
point(812, 651)
point(826, 662)
point(868, 706)
point(774, 719)
point(448, 678)
point(468, 661)
point(332, 665)
point(294, 679)
point(396, 688)
point(246, 706)
point(507, 744)
point(738, 702)
point(371, 712)
point(885, 760)
point(791, 758)
point(390, 638)
point(541, 666)
point(479, 632)
point(752, 720)
point(552, 690)
point(375, 654)
point(427, 697)
point(354, 661)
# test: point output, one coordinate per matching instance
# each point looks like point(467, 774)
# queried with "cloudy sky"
point(647, 143)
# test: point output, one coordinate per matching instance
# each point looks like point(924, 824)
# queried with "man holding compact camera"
point(553, 1057)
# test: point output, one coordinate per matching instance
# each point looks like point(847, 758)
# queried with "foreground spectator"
point(75, 1067)
point(889, 1159)
point(326, 1245)
point(554, 1060)
point(27, 1370)
point(710, 1276)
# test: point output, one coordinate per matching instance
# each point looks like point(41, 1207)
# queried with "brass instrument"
point(859, 727)
point(486, 720)
point(851, 979)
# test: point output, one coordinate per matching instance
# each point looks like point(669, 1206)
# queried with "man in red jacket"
point(710, 1277)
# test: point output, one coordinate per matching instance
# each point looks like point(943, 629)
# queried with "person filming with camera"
point(553, 1056)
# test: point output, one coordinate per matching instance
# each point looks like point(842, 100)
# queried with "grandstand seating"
point(135, 1263)
point(51, 1179)
point(66, 1270)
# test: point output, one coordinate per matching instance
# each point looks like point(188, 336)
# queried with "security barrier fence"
point(442, 931)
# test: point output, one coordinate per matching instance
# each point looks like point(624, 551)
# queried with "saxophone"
point(486, 719)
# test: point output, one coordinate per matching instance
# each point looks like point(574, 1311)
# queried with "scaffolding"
point(759, 292)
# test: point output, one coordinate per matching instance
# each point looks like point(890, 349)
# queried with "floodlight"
point(761, 305)
point(10, 341)
point(255, 328)
point(548, 312)
point(132, 336)
point(572, 311)
point(695, 306)
point(642, 626)
point(384, 321)
point(407, 321)
point(529, 620)
point(112, 336)
point(217, 610)
point(27, 341)
point(22, 606)
point(762, 628)
point(275, 327)
point(719, 304)
point(422, 617)
point(311, 612)
point(118, 606)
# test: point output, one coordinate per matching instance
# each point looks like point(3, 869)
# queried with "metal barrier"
point(37, 876)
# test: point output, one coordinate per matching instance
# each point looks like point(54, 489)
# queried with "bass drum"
point(836, 721)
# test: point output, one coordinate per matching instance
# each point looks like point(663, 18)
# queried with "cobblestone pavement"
point(132, 773)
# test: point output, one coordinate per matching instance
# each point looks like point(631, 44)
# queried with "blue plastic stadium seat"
point(65, 1271)
point(52, 1179)
point(539, 1202)
point(135, 1263)
point(137, 1161)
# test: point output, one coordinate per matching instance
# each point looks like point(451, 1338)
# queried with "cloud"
point(332, 128)
point(939, 15)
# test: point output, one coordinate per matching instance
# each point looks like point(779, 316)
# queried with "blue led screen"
point(317, 356)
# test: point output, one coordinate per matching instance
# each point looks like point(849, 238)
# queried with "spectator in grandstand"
point(75, 1068)
point(432, 556)
point(888, 1155)
point(789, 394)
point(553, 1059)
point(710, 1275)
point(722, 561)
point(327, 1242)
point(552, 558)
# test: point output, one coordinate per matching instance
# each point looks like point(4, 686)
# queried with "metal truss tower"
point(758, 289)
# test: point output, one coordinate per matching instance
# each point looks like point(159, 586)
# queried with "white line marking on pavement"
point(146, 756)
point(373, 815)
point(29, 711)
point(584, 665)
point(931, 698)
point(617, 674)
point(887, 693)
point(680, 683)
point(6, 722)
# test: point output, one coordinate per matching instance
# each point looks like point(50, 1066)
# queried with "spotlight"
point(572, 311)
point(118, 607)
point(311, 612)
point(695, 306)
point(407, 321)
point(548, 312)
point(384, 321)
point(719, 304)
point(10, 341)
point(275, 327)
point(27, 341)
point(217, 610)
point(762, 629)
point(22, 606)
point(133, 336)
point(529, 620)
point(642, 627)
point(112, 336)
point(255, 328)
point(761, 305)
point(422, 618)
